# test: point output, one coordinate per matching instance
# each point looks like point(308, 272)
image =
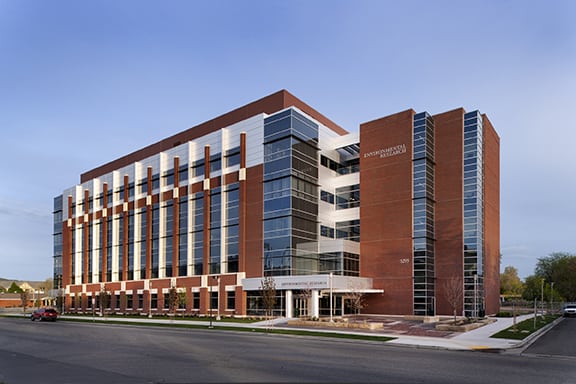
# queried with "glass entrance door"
point(300, 307)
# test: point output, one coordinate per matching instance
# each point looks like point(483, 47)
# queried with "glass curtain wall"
point(142, 241)
point(473, 215)
point(231, 227)
point(197, 232)
point(290, 194)
point(423, 214)
point(215, 229)
point(57, 230)
point(183, 237)
point(168, 208)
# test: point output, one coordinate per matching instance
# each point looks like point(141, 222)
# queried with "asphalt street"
point(68, 352)
point(559, 341)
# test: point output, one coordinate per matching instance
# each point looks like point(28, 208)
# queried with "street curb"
point(533, 337)
point(525, 343)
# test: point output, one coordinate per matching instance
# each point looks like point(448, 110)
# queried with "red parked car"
point(44, 314)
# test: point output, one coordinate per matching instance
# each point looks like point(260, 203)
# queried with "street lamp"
point(149, 299)
point(218, 300)
point(551, 296)
point(210, 300)
point(542, 300)
point(331, 319)
point(475, 296)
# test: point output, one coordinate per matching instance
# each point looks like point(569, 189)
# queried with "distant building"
point(394, 211)
point(14, 300)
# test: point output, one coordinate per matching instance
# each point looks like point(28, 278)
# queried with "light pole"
point(218, 300)
point(475, 298)
point(331, 319)
point(542, 300)
point(551, 296)
point(210, 304)
point(149, 299)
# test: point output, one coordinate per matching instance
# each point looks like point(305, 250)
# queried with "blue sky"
point(82, 83)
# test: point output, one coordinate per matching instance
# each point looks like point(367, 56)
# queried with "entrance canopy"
point(336, 283)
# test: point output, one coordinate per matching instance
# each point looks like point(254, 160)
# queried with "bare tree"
point(24, 300)
point(453, 290)
point(104, 300)
point(306, 295)
point(173, 300)
point(46, 285)
point(268, 291)
point(356, 298)
point(182, 300)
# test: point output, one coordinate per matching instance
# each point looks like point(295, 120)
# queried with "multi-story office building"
point(405, 212)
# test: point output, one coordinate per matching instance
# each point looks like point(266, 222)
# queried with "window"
point(155, 181)
point(349, 166)
point(230, 300)
point(197, 168)
point(215, 162)
point(168, 178)
point(327, 197)
point(349, 230)
point(348, 197)
point(183, 174)
point(213, 300)
point(233, 157)
point(195, 300)
point(326, 231)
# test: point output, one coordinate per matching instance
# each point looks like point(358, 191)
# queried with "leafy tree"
point(510, 283)
point(14, 288)
point(560, 268)
point(532, 288)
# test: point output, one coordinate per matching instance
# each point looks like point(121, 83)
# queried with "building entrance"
point(301, 307)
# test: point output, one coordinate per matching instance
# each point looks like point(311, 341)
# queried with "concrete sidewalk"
point(477, 339)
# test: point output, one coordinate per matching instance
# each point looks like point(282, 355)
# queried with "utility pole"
point(149, 299)
point(475, 296)
point(551, 296)
point(542, 300)
point(331, 276)
point(210, 303)
point(218, 295)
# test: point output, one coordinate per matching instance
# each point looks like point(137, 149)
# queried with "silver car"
point(570, 310)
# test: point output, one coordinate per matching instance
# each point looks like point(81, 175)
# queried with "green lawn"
point(525, 328)
point(272, 330)
point(167, 318)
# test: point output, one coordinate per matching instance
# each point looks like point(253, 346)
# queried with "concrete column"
point(315, 305)
point(288, 306)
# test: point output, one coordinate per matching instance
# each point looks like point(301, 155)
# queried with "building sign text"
point(387, 152)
